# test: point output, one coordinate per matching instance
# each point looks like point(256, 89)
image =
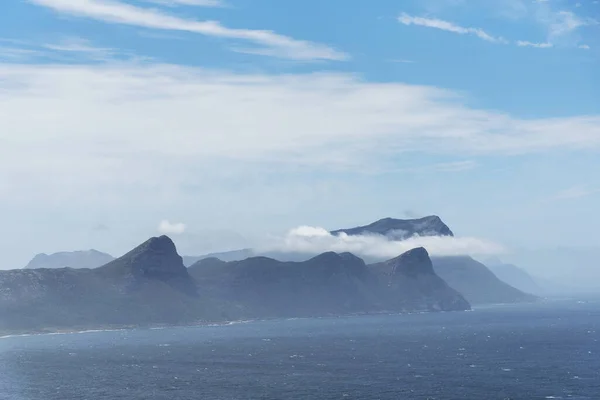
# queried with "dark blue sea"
point(543, 351)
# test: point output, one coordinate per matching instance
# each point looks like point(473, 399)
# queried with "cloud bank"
point(171, 125)
point(316, 240)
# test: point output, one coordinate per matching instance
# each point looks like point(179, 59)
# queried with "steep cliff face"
point(409, 282)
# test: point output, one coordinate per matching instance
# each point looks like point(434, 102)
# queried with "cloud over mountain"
point(315, 240)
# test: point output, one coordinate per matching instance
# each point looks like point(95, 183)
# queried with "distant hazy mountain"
point(150, 285)
point(400, 229)
point(327, 284)
point(516, 277)
point(233, 255)
point(476, 282)
point(70, 259)
point(239, 255)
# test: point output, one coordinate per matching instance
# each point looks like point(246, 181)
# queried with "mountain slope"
point(74, 259)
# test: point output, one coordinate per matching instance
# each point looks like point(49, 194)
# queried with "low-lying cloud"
point(316, 240)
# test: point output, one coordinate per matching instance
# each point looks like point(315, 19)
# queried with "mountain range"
point(474, 280)
point(150, 285)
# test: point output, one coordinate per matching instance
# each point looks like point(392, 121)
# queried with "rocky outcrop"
point(400, 229)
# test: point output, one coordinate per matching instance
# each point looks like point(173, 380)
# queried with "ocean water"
point(542, 351)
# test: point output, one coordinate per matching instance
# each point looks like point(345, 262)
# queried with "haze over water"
point(545, 350)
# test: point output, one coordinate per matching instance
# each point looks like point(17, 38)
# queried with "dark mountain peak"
point(400, 229)
point(156, 256)
point(347, 256)
point(155, 259)
point(329, 256)
point(160, 244)
point(338, 259)
point(412, 263)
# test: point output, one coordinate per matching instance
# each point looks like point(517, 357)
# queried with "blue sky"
point(242, 119)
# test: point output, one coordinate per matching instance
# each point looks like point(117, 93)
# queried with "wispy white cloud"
point(316, 240)
point(199, 3)
point(455, 166)
point(576, 192)
point(564, 27)
point(523, 43)
point(435, 23)
point(67, 49)
point(167, 227)
point(584, 47)
point(565, 22)
point(267, 42)
point(19, 54)
point(81, 46)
